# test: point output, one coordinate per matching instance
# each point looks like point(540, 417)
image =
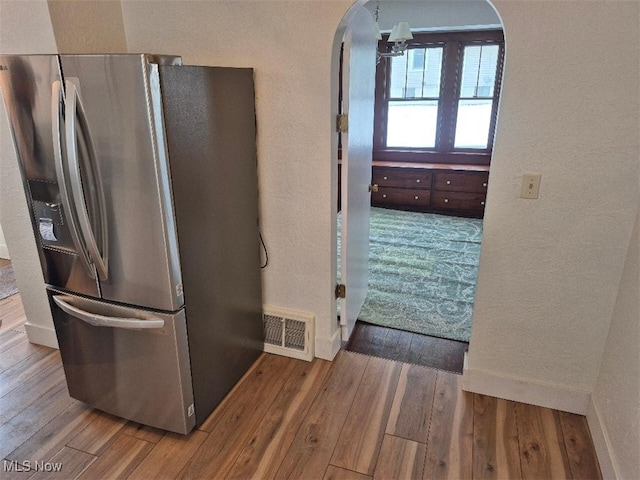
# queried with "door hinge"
point(341, 290)
point(342, 123)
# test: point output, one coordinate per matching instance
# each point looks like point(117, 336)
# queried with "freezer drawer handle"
point(104, 321)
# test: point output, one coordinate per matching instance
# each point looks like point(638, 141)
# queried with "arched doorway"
point(453, 170)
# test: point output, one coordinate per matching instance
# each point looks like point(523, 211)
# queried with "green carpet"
point(422, 272)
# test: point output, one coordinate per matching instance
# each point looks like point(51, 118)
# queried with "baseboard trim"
point(328, 348)
point(4, 252)
point(601, 441)
point(525, 391)
point(41, 335)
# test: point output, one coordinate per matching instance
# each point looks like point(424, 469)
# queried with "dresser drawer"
point(402, 177)
point(458, 201)
point(401, 196)
point(461, 182)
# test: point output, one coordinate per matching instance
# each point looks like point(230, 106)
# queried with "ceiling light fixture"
point(399, 35)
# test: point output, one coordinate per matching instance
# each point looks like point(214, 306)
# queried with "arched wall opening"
point(425, 17)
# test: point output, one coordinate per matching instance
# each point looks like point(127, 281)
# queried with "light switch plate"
point(531, 185)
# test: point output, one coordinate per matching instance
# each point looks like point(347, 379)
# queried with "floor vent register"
point(288, 333)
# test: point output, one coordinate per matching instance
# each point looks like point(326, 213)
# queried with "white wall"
point(614, 414)
point(435, 14)
point(97, 26)
point(24, 28)
point(549, 268)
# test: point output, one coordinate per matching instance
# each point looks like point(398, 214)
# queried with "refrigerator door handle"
point(104, 321)
point(75, 111)
point(56, 115)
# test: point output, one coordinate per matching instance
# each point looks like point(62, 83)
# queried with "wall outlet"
point(531, 185)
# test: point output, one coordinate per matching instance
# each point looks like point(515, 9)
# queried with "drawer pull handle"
point(481, 203)
point(446, 200)
point(384, 195)
point(416, 197)
point(385, 178)
point(448, 182)
point(484, 184)
point(418, 180)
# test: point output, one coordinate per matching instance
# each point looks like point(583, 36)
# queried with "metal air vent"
point(288, 333)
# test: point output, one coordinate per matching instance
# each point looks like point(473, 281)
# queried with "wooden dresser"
point(430, 187)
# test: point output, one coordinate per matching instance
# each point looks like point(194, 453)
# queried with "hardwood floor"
point(407, 347)
point(358, 417)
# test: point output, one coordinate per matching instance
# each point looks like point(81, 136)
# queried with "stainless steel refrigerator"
point(140, 174)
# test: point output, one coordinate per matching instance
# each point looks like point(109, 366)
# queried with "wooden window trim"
point(444, 152)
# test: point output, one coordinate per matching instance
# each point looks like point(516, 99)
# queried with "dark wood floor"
point(407, 347)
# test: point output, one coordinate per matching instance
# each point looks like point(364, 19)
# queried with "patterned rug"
point(8, 284)
point(422, 272)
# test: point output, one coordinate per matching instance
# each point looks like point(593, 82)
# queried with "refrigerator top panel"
point(122, 106)
point(149, 58)
point(164, 59)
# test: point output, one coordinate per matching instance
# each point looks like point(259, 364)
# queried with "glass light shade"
point(377, 30)
point(393, 36)
point(403, 31)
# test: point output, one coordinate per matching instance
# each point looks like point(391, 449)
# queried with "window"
point(438, 101)
point(414, 88)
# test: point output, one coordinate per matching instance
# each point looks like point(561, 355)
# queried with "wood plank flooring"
point(358, 417)
point(407, 347)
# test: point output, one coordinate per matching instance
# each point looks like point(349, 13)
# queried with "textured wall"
point(617, 395)
point(96, 27)
point(549, 268)
point(26, 27)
